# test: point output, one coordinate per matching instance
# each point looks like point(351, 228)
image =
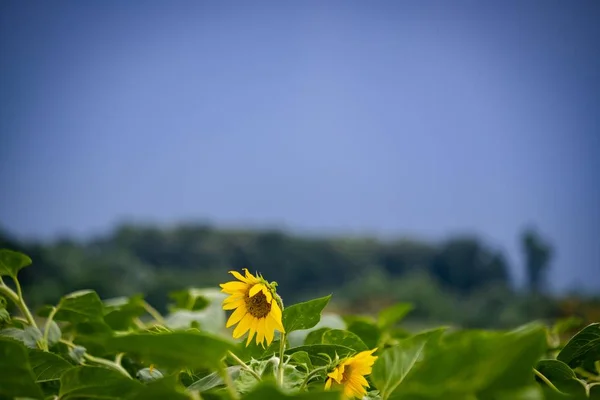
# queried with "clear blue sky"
point(416, 118)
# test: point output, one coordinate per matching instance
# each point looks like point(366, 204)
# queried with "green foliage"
point(304, 315)
point(16, 376)
point(11, 262)
point(183, 349)
point(583, 349)
point(122, 348)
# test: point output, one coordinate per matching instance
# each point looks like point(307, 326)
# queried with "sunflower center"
point(258, 306)
point(347, 373)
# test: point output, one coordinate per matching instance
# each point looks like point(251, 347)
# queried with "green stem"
point(281, 354)
point(107, 363)
point(244, 365)
point(154, 313)
point(47, 327)
point(310, 376)
point(546, 380)
point(101, 361)
point(17, 298)
point(118, 358)
point(228, 382)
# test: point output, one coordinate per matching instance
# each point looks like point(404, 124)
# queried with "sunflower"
point(256, 306)
point(351, 372)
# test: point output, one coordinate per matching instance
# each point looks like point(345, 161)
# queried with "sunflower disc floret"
point(256, 307)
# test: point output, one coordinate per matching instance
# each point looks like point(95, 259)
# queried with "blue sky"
point(422, 119)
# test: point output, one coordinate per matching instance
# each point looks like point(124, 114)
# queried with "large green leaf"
point(189, 349)
point(16, 375)
point(392, 315)
point(96, 383)
point(264, 392)
point(467, 364)
point(80, 306)
point(583, 348)
point(328, 320)
point(120, 312)
point(394, 364)
point(304, 315)
point(47, 366)
point(343, 338)
point(561, 376)
point(30, 336)
point(367, 331)
point(12, 261)
point(167, 388)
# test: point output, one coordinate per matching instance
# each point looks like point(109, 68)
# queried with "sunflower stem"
point(280, 368)
point(244, 365)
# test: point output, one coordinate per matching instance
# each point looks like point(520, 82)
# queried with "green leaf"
point(328, 320)
point(213, 380)
point(30, 336)
point(561, 376)
point(271, 392)
point(318, 353)
point(121, 311)
point(388, 317)
point(96, 383)
point(191, 349)
point(16, 375)
point(343, 338)
point(394, 364)
point(301, 359)
point(80, 306)
point(191, 299)
point(47, 366)
point(367, 331)
point(12, 261)
point(584, 347)
point(316, 336)
point(304, 315)
point(472, 364)
point(167, 388)
point(4, 315)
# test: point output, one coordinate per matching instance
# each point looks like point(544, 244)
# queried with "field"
point(86, 347)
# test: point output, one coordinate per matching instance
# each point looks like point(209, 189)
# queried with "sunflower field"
point(242, 341)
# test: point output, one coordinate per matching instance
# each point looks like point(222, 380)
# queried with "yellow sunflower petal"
point(234, 305)
point(328, 384)
point(252, 330)
point(259, 287)
point(260, 331)
point(251, 278)
point(233, 287)
point(267, 292)
point(238, 276)
point(236, 316)
point(243, 326)
point(269, 331)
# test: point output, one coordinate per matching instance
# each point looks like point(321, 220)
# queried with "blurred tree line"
point(460, 280)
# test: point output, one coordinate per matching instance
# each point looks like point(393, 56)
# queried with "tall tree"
point(537, 253)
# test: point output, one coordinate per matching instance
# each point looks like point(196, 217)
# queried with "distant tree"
point(537, 253)
point(464, 264)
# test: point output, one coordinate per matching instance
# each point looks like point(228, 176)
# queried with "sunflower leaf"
point(304, 315)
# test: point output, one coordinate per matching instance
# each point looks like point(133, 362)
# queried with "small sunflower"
point(256, 307)
point(351, 372)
